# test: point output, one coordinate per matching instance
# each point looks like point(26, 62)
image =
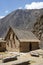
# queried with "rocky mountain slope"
point(22, 19)
point(38, 29)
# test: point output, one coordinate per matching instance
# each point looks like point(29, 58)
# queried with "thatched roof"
point(24, 35)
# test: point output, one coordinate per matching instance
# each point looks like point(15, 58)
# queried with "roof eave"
point(21, 40)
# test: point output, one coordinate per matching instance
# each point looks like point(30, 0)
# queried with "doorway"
point(30, 46)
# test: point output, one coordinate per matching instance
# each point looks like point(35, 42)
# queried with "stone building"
point(2, 45)
point(20, 40)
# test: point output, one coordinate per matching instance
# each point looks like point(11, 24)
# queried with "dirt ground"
point(22, 57)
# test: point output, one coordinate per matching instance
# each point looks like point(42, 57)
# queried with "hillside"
point(22, 19)
point(38, 29)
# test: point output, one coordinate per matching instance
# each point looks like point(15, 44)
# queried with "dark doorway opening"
point(30, 46)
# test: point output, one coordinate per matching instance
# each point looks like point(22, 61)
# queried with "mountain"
point(22, 19)
point(38, 29)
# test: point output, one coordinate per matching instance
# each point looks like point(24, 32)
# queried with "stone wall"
point(12, 42)
point(35, 45)
point(2, 46)
point(24, 47)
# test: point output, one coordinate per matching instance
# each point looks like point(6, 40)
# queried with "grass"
point(31, 61)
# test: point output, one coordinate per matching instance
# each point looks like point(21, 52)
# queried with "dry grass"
point(33, 60)
point(4, 55)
